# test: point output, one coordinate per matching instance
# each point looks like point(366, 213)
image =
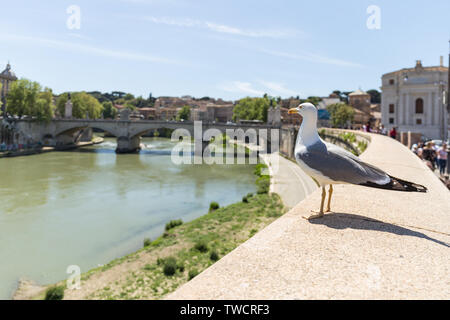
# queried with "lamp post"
point(442, 109)
point(448, 93)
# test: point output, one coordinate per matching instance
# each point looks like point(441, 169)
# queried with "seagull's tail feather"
point(397, 184)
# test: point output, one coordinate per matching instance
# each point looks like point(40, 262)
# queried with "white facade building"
point(414, 99)
point(325, 102)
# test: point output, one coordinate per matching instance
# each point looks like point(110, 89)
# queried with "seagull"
point(329, 164)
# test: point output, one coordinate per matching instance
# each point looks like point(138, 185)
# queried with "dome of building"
point(8, 74)
point(358, 92)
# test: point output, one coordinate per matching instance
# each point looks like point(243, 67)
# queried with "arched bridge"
point(128, 133)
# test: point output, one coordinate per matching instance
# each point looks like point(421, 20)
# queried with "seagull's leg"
point(320, 213)
point(330, 192)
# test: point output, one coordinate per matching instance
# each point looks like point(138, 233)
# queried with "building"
point(148, 113)
point(412, 100)
point(168, 114)
point(7, 77)
point(360, 101)
point(327, 101)
point(210, 112)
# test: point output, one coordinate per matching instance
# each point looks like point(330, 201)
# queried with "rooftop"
point(419, 68)
point(358, 92)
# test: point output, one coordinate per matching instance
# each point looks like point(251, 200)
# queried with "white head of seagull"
point(307, 134)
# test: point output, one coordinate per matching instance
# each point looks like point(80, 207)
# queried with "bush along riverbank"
point(181, 253)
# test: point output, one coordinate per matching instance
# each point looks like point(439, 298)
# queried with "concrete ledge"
point(376, 245)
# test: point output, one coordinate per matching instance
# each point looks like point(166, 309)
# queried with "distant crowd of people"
point(434, 156)
point(380, 130)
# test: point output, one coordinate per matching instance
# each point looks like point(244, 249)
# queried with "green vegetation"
point(348, 140)
point(362, 146)
point(375, 96)
point(170, 266)
point(340, 114)
point(122, 98)
point(84, 105)
point(173, 223)
point(263, 180)
point(147, 242)
point(27, 98)
point(213, 206)
point(253, 108)
point(160, 268)
point(349, 137)
point(201, 246)
point(192, 274)
point(314, 100)
point(109, 112)
point(263, 184)
point(184, 113)
point(259, 169)
point(214, 256)
point(54, 293)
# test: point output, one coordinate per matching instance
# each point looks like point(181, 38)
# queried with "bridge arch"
point(139, 129)
point(72, 128)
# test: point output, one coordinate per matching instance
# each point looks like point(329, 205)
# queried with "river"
point(89, 206)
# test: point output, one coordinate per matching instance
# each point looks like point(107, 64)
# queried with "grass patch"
point(147, 242)
point(170, 266)
point(213, 206)
point(192, 274)
point(173, 223)
point(263, 185)
point(54, 293)
point(214, 256)
point(201, 246)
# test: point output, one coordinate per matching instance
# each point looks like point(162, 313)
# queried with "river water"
point(89, 206)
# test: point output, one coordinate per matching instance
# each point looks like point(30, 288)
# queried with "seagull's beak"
point(293, 111)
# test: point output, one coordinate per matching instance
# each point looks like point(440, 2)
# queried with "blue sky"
point(229, 49)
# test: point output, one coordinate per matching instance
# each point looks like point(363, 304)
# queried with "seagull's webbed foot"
point(317, 215)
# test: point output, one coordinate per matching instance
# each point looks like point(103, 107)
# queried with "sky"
point(224, 49)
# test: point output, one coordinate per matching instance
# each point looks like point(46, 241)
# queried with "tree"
point(21, 98)
point(44, 108)
point(109, 112)
point(130, 106)
point(340, 114)
point(83, 105)
point(253, 108)
point(184, 113)
point(27, 98)
point(375, 96)
point(128, 96)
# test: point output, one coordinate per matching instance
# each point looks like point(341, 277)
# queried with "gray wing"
point(340, 165)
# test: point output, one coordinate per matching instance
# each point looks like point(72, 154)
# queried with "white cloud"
point(174, 22)
point(311, 57)
point(241, 87)
point(269, 87)
point(278, 88)
point(220, 28)
point(248, 33)
point(71, 46)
